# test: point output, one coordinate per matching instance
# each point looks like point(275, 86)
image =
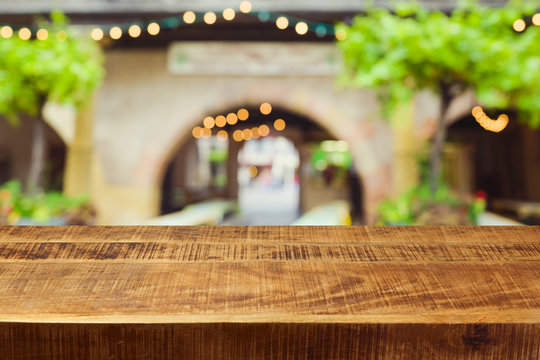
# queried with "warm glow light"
point(476, 111)
point(42, 34)
point(97, 34)
point(222, 135)
point(489, 124)
point(197, 132)
point(536, 19)
point(266, 108)
point(115, 33)
point(210, 18)
point(6, 32)
point(301, 28)
point(243, 114)
point(282, 22)
point(238, 135)
point(229, 14)
point(255, 133)
point(245, 7)
point(264, 130)
point(253, 171)
point(247, 134)
point(519, 25)
point(209, 122)
point(153, 28)
point(25, 33)
point(221, 121)
point(206, 133)
point(341, 34)
point(279, 124)
point(232, 119)
point(189, 17)
point(134, 31)
point(61, 35)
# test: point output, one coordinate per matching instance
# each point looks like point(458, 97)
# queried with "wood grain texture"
point(269, 292)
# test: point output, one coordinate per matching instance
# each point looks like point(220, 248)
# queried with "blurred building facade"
point(158, 88)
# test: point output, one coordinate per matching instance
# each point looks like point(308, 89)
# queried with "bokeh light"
point(115, 33)
point(206, 133)
point(255, 133)
point(282, 22)
point(229, 14)
point(265, 108)
point(232, 119)
point(134, 31)
point(238, 135)
point(245, 7)
point(210, 18)
point(519, 25)
point(264, 130)
point(209, 122)
point(25, 33)
point(153, 28)
point(221, 121)
point(197, 132)
point(189, 17)
point(97, 34)
point(6, 32)
point(247, 134)
point(301, 28)
point(536, 19)
point(279, 124)
point(222, 135)
point(42, 34)
point(242, 114)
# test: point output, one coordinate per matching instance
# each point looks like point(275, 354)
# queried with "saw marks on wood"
point(271, 292)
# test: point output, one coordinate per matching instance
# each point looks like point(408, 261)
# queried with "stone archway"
point(150, 125)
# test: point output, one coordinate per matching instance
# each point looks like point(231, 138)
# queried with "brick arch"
point(371, 159)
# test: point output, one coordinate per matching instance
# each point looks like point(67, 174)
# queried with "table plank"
point(270, 292)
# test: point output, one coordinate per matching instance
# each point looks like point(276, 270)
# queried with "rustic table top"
point(454, 275)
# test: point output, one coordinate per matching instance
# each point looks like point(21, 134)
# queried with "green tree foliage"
point(473, 48)
point(64, 68)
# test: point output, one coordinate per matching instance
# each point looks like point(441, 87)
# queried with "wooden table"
point(269, 292)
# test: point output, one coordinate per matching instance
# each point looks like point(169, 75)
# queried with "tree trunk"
point(440, 137)
point(34, 183)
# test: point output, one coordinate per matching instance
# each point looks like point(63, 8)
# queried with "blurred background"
point(172, 112)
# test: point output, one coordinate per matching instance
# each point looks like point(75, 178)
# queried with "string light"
point(206, 133)
point(264, 130)
point(282, 22)
point(242, 114)
point(222, 135)
point(97, 34)
point(238, 135)
point(221, 121)
point(255, 133)
point(279, 124)
point(265, 108)
point(42, 34)
point(229, 14)
point(210, 18)
point(536, 19)
point(189, 17)
point(6, 32)
point(153, 28)
point(519, 25)
point(247, 134)
point(25, 33)
point(301, 28)
point(209, 122)
point(245, 7)
point(490, 124)
point(115, 33)
point(134, 31)
point(232, 119)
point(197, 132)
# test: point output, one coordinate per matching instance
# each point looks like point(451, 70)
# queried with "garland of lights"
point(232, 118)
point(135, 29)
point(487, 123)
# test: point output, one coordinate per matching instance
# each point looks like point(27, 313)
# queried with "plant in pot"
point(473, 50)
